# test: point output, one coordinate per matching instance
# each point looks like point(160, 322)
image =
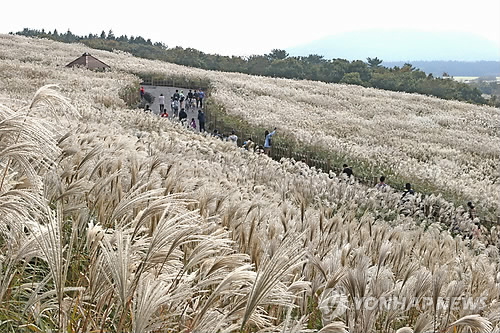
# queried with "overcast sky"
point(249, 27)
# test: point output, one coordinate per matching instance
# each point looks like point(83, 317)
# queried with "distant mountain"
point(453, 68)
point(401, 45)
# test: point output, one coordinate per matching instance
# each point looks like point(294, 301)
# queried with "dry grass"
point(119, 221)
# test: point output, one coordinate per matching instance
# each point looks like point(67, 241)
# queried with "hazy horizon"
point(402, 45)
point(228, 28)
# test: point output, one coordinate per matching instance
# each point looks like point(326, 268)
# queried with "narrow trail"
point(168, 92)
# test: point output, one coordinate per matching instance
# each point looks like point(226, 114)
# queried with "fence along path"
point(278, 151)
point(281, 151)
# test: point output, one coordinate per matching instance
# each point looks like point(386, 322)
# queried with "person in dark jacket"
point(176, 95)
point(471, 210)
point(201, 120)
point(196, 96)
point(408, 190)
point(182, 116)
point(347, 170)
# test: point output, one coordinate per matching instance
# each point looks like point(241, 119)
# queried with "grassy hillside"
point(439, 146)
point(278, 63)
point(116, 220)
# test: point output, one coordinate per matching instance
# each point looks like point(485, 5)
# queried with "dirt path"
point(168, 92)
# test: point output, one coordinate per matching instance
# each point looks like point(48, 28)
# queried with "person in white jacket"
point(161, 100)
point(233, 138)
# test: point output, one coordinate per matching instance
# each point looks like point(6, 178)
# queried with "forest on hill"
point(278, 63)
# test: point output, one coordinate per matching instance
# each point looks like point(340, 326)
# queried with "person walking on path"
point(197, 98)
point(408, 191)
point(268, 142)
point(201, 120)
point(175, 107)
point(382, 186)
point(347, 170)
point(406, 200)
point(176, 95)
point(182, 98)
point(218, 135)
point(471, 210)
point(193, 123)
point(201, 96)
point(233, 138)
point(182, 116)
point(476, 232)
point(249, 144)
point(142, 92)
point(161, 100)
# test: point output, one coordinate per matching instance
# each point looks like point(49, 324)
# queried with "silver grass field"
point(114, 220)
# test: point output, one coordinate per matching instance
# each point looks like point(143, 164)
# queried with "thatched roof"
point(88, 61)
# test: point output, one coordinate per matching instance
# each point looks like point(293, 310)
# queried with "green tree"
point(69, 37)
point(122, 38)
point(352, 78)
point(361, 68)
point(291, 68)
point(314, 59)
point(384, 81)
point(335, 70)
point(373, 62)
point(258, 64)
point(277, 54)
point(407, 68)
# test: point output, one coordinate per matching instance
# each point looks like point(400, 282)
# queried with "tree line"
point(278, 63)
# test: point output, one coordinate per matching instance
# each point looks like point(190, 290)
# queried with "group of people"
point(178, 105)
point(178, 101)
point(408, 193)
point(183, 118)
point(248, 144)
point(233, 138)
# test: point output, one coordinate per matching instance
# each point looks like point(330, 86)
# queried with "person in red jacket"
point(142, 92)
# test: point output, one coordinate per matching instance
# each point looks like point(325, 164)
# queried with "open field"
point(440, 146)
point(115, 220)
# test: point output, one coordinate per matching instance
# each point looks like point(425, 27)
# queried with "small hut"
point(89, 62)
